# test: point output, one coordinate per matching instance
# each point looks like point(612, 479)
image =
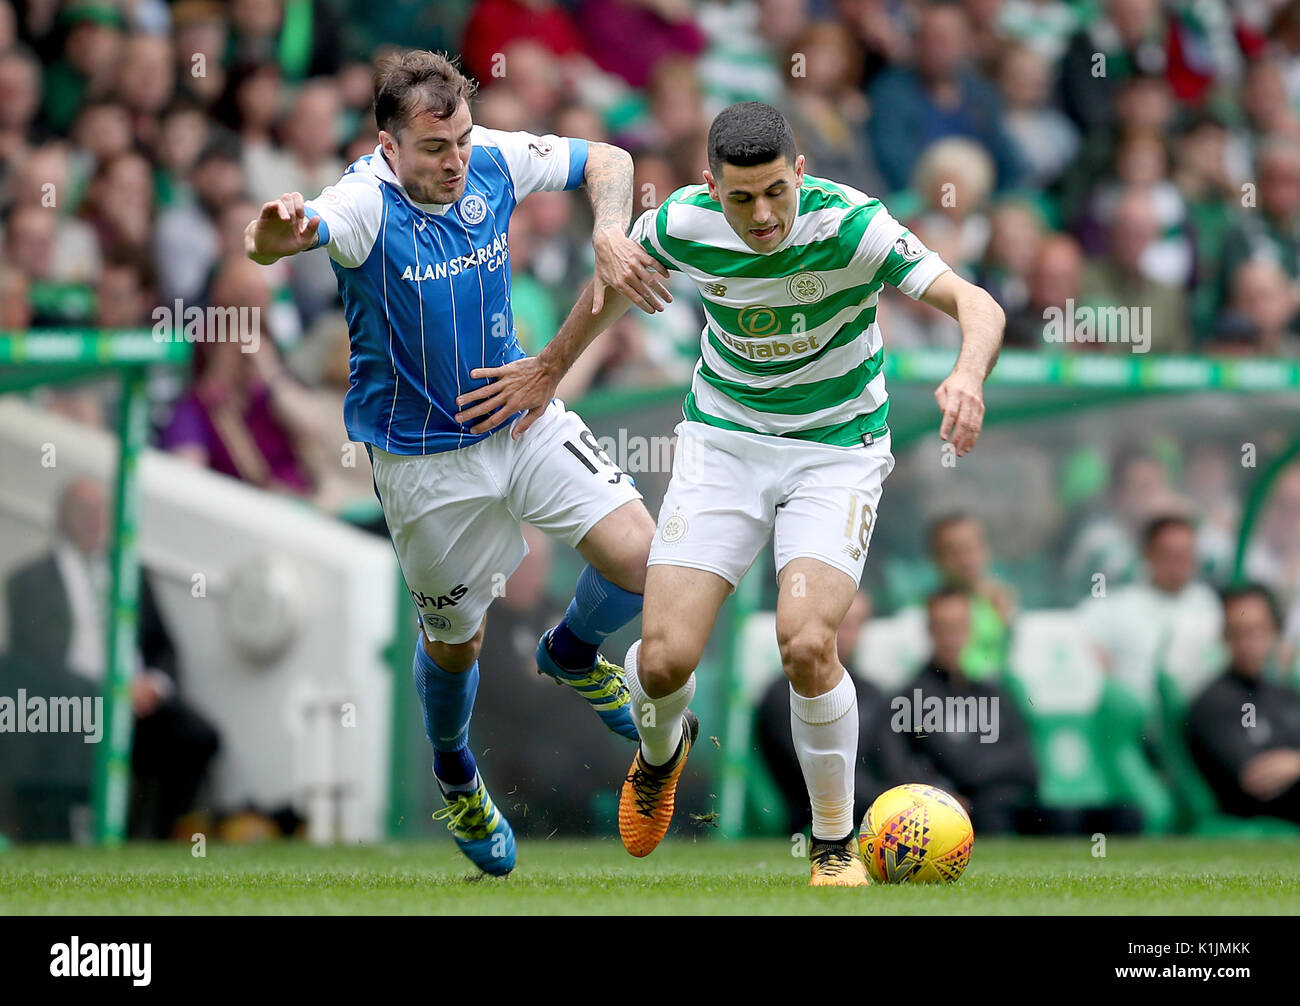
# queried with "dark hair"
point(749, 133)
point(943, 522)
point(945, 594)
point(1162, 523)
point(416, 81)
point(1240, 591)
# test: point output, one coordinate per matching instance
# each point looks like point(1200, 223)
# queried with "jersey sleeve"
point(350, 213)
point(547, 163)
point(890, 253)
point(645, 232)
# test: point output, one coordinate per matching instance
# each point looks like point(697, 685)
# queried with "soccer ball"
point(916, 834)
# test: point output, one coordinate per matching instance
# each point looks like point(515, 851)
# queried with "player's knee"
point(664, 665)
point(455, 657)
point(808, 653)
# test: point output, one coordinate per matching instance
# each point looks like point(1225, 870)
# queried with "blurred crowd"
point(1061, 153)
point(1137, 153)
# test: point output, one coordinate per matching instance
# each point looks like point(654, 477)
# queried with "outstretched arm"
point(621, 264)
point(282, 228)
point(529, 384)
point(961, 395)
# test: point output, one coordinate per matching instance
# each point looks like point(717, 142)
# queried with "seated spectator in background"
point(1131, 38)
point(145, 83)
point(199, 28)
point(1015, 237)
point(996, 779)
point(186, 244)
point(495, 24)
point(87, 67)
point(1135, 626)
point(883, 758)
point(1268, 230)
point(828, 112)
point(58, 612)
point(1261, 313)
point(20, 100)
point(244, 416)
point(15, 299)
point(960, 550)
point(119, 205)
point(1045, 139)
point(1119, 281)
point(1209, 177)
point(660, 27)
point(49, 178)
point(1244, 730)
point(939, 96)
point(30, 237)
point(1108, 543)
point(1141, 164)
point(1055, 277)
point(953, 179)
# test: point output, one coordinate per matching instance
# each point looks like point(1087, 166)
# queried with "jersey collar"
point(379, 165)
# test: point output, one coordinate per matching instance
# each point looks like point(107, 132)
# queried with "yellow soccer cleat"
point(645, 806)
point(837, 864)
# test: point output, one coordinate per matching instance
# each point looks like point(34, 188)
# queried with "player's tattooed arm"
point(961, 395)
point(621, 263)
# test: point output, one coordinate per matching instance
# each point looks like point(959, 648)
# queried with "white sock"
point(658, 721)
point(825, 730)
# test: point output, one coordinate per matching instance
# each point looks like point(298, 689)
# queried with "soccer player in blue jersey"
point(417, 235)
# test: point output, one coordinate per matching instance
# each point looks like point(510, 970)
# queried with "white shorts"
point(732, 491)
point(454, 517)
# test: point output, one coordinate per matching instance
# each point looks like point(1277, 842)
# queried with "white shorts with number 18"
point(732, 491)
point(454, 517)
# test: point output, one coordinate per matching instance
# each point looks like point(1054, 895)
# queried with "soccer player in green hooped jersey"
point(785, 436)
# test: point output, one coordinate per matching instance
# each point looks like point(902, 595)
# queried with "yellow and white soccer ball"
point(916, 834)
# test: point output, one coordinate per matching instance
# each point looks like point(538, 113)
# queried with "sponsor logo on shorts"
point(853, 552)
point(441, 600)
point(473, 209)
point(674, 529)
point(806, 287)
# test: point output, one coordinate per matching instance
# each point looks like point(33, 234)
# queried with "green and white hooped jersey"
point(791, 346)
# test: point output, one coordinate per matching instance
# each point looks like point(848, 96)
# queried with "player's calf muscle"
point(455, 658)
point(619, 545)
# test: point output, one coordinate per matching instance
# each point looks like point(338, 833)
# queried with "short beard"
point(437, 200)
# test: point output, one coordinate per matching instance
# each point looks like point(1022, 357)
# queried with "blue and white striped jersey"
point(426, 287)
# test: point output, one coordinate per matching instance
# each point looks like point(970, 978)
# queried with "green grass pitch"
point(1016, 877)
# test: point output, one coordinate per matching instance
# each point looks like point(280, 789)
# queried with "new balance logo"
point(853, 552)
point(716, 289)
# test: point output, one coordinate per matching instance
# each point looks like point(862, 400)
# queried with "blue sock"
point(599, 608)
point(447, 701)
